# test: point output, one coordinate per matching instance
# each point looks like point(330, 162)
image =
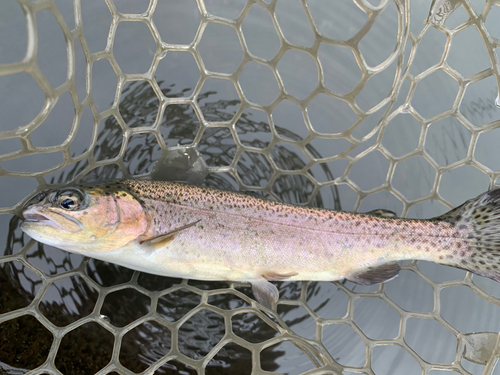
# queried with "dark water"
point(88, 348)
point(26, 342)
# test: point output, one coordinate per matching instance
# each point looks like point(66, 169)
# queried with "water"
point(177, 159)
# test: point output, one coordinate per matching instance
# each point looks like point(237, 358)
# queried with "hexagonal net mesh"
point(351, 106)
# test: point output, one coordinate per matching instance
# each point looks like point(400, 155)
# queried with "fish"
point(179, 230)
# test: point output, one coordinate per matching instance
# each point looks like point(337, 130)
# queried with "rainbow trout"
point(179, 230)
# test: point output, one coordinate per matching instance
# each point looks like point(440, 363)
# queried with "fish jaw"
point(42, 234)
point(40, 215)
point(45, 225)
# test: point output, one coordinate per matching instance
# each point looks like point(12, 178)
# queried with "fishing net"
point(315, 117)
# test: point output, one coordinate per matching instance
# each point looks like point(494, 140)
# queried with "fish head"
point(85, 219)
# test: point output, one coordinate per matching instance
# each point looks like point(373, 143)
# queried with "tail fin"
point(479, 219)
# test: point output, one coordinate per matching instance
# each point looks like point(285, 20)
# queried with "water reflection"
point(217, 148)
point(68, 300)
point(18, 285)
point(151, 335)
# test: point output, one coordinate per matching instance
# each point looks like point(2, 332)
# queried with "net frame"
point(318, 354)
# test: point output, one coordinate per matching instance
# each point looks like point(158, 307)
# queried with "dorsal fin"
point(382, 213)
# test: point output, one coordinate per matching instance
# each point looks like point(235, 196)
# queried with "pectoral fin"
point(163, 240)
point(264, 292)
point(374, 275)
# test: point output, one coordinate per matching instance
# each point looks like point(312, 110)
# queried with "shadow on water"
point(88, 348)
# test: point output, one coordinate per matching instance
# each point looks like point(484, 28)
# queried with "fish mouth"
point(45, 217)
point(33, 218)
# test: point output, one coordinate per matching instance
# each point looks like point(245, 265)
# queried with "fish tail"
point(478, 222)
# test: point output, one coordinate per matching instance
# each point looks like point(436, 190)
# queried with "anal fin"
point(264, 292)
point(374, 275)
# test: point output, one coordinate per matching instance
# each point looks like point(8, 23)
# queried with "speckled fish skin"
point(240, 237)
point(180, 230)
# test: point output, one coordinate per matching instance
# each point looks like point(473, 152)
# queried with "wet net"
point(352, 106)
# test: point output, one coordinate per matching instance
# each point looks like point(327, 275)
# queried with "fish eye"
point(69, 200)
point(68, 204)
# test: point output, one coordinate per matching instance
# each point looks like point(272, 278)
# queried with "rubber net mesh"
point(61, 313)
